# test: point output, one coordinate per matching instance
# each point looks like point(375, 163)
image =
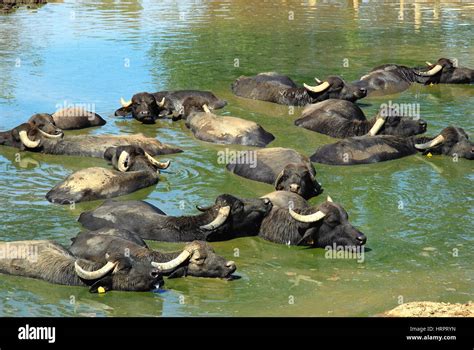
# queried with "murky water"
point(417, 212)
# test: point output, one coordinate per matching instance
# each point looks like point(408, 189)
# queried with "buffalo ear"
point(105, 283)
point(16, 134)
point(280, 178)
point(123, 111)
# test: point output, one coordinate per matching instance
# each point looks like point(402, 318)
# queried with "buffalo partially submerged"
point(40, 134)
point(325, 225)
point(391, 78)
point(273, 87)
point(135, 169)
point(452, 141)
point(76, 118)
point(197, 259)
point(209, 127)
point(341, 119)
point(228, 218)
point(51, 262)
point(147, 107)
point(284, 168)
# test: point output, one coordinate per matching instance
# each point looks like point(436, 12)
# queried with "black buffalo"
point(147, 107)
point(41, 135)
point(197, 259)
point(75, 118)
point(325, 225)
point(228, 218)
point(341, 119)
point(133, 169)
point(391, 78)
point(452, 141)
point(273, 87)
point(284, 168)
point(47, 260)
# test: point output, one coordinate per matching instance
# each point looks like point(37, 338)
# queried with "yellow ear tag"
point(431, 84)
point(101, 290)
point(429, 155)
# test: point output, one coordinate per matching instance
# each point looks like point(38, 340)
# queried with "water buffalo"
point(197, 259)
point(209, 127)
point(452, 141)
point(41, 135)
point(135, 169)
point(391, 78)
point(321, 226)
point(341, 119)
point(273, 87)
point(284, 168)
point(47, 260)
point(147, 107)
point(228, 218)
point(72, 118)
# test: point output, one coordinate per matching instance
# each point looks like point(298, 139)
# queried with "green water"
point(416, 212)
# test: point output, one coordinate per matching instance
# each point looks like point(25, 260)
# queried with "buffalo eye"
point(332, 221)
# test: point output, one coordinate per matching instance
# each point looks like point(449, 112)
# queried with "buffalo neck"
point(296, 97)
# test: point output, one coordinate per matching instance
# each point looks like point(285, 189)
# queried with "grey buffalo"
point(392, 78)
point(197, 259)
point(284, 168)
point(41, 135)
point(341, 119)
point(49, 261)
point(325, 225)
point(133, 169)
point(452, 141)
point(147, 107)
point(229, 217)
point(276, 88)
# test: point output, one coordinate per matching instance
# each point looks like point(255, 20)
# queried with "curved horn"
point(221, 217)
point(160, 165)
point(172, 264)
point(431, 72)
point(26, 140)
point(278, 178)
point(436, 141)
point(206, 109)
point(123, 162)
point(161, 103)
point(307, 218)
point(317, 80)
point(320, 88)
point(329, 199)
point(125, 103)
point(376, 127)
point(429, 63)
point(93, 275)
point(203, 208)
point(49, 136)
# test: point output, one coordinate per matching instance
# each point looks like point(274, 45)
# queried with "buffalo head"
point(121, 273)
point(452, 141)
point(297, 178)
point(445, 71)
point(198, 259)
point(335, 87)
point(143, 106)
point(132, 158)
point(234, 217)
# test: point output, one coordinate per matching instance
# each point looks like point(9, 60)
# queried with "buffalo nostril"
point(154, 274)
point(230, 263)
point(363, 90)
point(362, 239)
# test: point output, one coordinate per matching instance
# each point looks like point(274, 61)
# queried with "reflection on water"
point(416, 212)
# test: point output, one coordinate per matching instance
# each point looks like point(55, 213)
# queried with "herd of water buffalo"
point(112, 253)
